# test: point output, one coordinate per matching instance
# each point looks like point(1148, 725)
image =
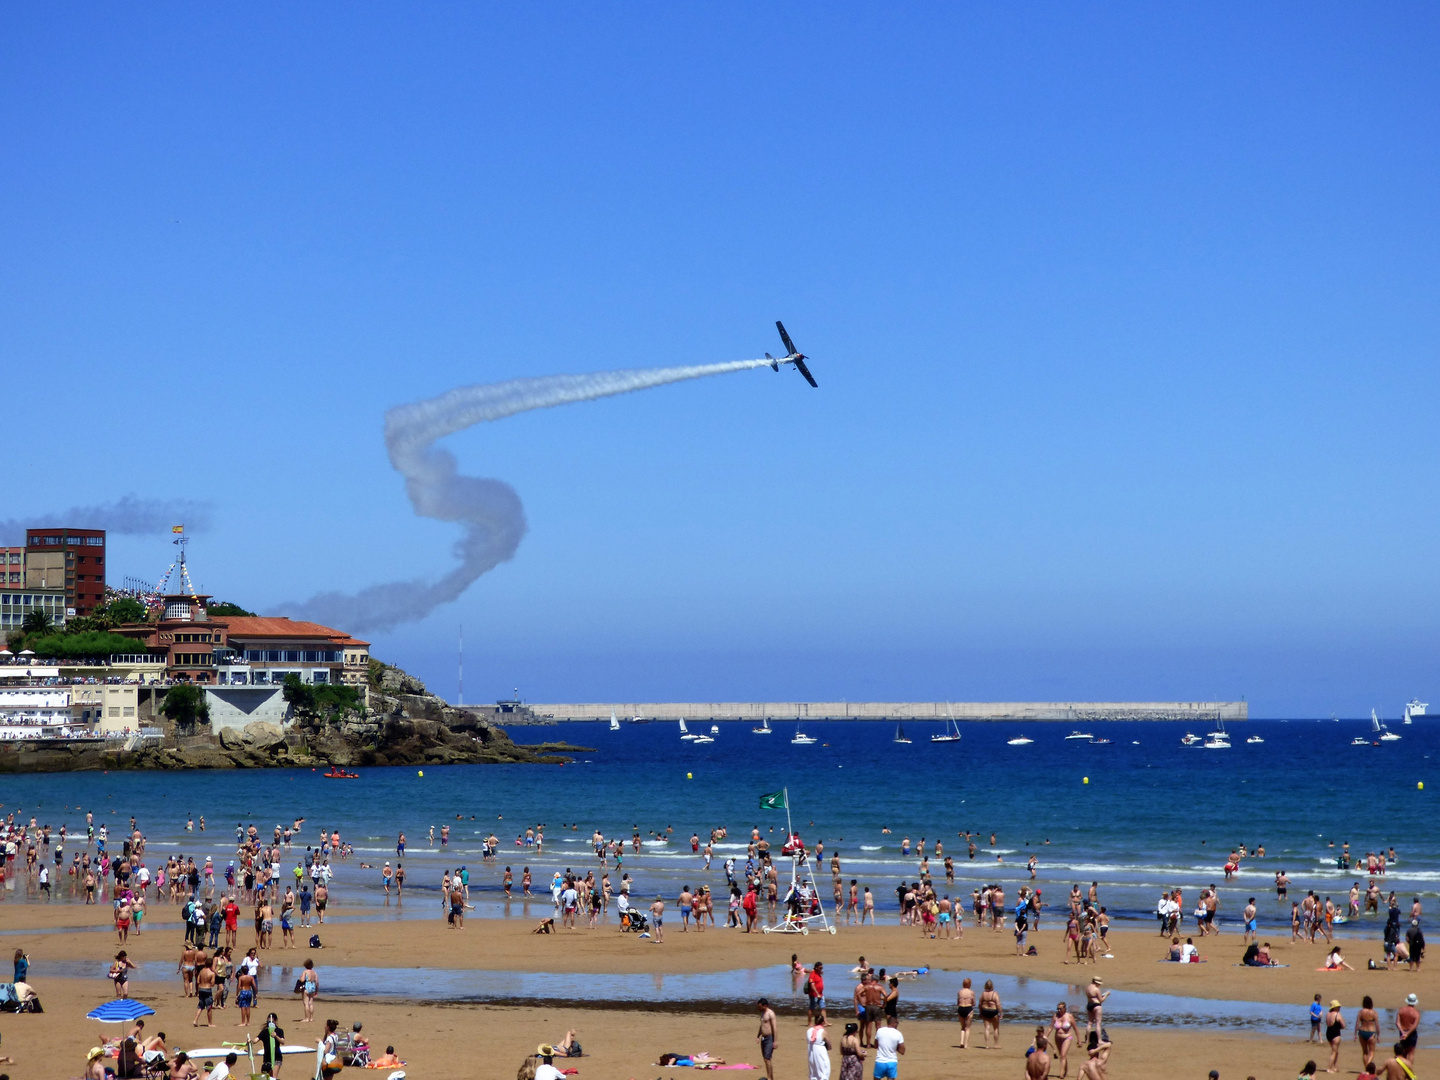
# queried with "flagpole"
point(789, 829)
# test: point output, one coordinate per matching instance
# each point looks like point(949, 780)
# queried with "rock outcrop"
point(404, 725)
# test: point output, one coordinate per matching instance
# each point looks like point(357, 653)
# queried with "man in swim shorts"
point(766, 1036)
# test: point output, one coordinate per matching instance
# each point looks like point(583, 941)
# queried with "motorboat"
point(1099, 742)
point(1019, 740)
point(801, 739)
point(700, 740)
point(714, 729)
point(1213, 743)
point(1254, 740)
point(1191, 739)
point(900, 736)
point(1360, 740)
point(1081, 735)
point(1378, 726)
point(637, 719)
point(764, 728)
point(686, 733)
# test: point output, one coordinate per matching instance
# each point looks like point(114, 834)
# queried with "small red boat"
point(340, 774)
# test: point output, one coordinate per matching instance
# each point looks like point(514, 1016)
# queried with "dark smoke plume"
point(129, 516)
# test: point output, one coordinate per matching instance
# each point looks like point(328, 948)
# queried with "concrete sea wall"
point(1058, 711)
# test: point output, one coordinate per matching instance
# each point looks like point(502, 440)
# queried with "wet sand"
point(355, 938)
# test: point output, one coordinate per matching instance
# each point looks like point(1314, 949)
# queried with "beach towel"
point(1262, 967)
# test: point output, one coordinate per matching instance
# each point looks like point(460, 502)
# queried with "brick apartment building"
point(69, 559)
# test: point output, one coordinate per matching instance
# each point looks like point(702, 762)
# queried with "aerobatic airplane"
point(796, 357)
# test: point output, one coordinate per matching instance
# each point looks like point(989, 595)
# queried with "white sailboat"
point(764, 728)
point(1378, 726)
point(685, 733)
point(900, 736)
point(1219, 739)
point(952, 729)
point(614, 721)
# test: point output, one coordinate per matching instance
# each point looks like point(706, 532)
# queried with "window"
point(114, 710)
point(259, 677)
point(292, 656)
point(129, 710)
point(95, 541)
point(320, 675)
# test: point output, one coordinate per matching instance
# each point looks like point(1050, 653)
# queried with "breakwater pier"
point(1057, 711)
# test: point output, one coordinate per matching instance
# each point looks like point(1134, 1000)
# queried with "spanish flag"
point(177, 528)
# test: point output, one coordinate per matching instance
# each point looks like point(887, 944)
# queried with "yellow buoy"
point(421, 772)
point(1420, 786)
point(691, 776)
point(1087, 779)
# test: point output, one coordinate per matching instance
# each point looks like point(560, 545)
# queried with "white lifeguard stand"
point(804, 905)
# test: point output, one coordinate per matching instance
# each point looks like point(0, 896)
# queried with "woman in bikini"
point(991, 1013)
point(1062, 1029)
point(965, 1005)
point(1367, 1032)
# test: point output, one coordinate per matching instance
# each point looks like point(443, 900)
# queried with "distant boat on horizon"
point(900, 736)
point(764, 728)
point(614, 721)
point(952, 729)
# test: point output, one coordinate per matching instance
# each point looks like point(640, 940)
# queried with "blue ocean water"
point(1153, 814)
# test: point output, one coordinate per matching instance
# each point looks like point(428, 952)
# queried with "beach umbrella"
point(120, 1011)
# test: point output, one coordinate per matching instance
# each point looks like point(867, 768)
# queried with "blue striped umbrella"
point(119, 1011)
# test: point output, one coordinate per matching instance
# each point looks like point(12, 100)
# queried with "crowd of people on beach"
point(271, 881)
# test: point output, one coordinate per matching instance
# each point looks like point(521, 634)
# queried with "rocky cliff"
point(404, 725)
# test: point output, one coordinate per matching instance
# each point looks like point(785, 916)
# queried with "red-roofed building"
point(247, 650)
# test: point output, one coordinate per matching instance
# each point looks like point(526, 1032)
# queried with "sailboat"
point(686, 733)
point(764, 728)
point(801, 739)
point(900, 736)
point(614, 721)
point(1378, 726)
point(1219, 739)
point(952, 729)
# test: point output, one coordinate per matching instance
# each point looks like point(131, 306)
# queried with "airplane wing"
point(800, 365)
point(789, 345)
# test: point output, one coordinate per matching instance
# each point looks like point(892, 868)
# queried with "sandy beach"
point(622, 1040)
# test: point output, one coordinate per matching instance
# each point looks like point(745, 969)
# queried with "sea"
point(1132, 810)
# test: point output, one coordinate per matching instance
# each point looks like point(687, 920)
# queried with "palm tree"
point(36, 622)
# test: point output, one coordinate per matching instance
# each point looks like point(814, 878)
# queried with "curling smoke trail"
point(489, 510)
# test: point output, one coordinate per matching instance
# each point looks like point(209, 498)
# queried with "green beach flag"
point(775, 801)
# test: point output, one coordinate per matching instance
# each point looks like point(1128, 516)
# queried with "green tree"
point(81, 645)
point(36, 622)
point(300, 695)
point(121, 610)
point(219, 610)
point(185, 706)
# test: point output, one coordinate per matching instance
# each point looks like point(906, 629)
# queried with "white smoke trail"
point(489, 510)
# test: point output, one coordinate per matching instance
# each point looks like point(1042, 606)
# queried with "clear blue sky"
point(1125, 321)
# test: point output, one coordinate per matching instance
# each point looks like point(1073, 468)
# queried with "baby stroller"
point(633, 920)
